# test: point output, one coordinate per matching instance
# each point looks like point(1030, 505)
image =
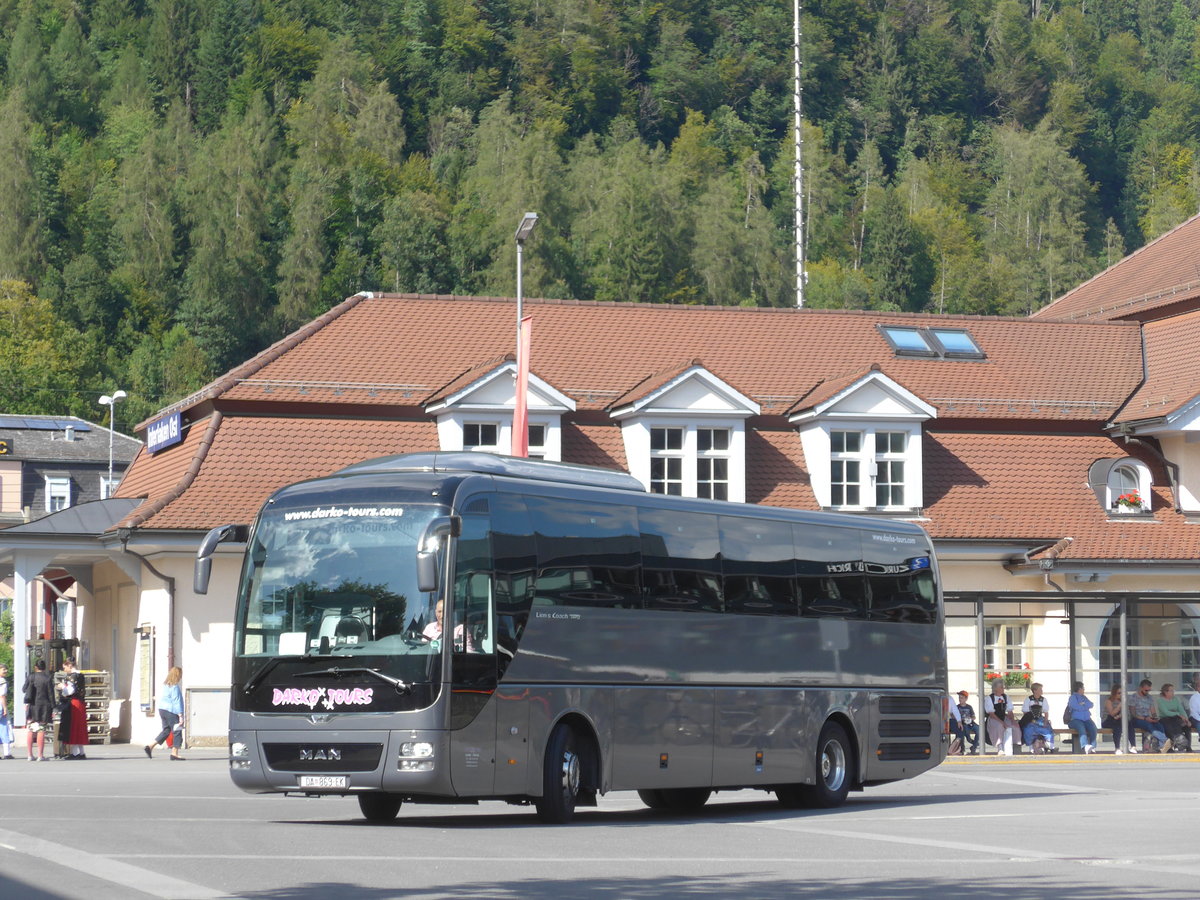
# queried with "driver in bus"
point(433, 631)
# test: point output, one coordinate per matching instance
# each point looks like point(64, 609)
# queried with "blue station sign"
point(163, 432)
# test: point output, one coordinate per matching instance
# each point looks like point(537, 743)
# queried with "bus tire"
point(379, 807)
point(832, 769)
point(676, 800)
point(791, 796)
point(562, 777)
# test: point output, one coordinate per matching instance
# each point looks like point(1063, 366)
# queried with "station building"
point(1055, 459)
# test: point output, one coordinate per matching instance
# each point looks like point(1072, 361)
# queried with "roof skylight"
point(940, 343)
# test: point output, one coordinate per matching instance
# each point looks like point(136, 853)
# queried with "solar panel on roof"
point(43, 424)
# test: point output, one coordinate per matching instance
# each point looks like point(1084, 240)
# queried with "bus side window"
point(514, 565)
point(760, 571)
point(587, 555)
point(682, 560)
point(830, 572)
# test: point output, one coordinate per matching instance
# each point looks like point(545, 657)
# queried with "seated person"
point(1143, 715)
point(1035, 723)
point(1174, 719)
point(1194, 704)
point(1078, 717)
point(1112, 720)
point(433, 631)
point(968, 726)
point(956, 732)
point(1001, 725)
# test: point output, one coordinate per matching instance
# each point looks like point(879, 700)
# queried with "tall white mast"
point(799, 142)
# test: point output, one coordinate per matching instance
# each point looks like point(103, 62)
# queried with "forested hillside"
point(182, 181)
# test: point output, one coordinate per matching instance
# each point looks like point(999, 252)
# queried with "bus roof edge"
point(494, 464)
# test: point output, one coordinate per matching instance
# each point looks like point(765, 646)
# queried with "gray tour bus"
point(451, 627)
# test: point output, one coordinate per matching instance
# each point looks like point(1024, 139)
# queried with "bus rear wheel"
point(676, 800)
point(378, 807)
point(833, 769)
point(562, 777)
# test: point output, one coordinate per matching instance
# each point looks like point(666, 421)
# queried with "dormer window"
point(862, 441)
point(1121, 485)
point(475, 412)
point(685, 434)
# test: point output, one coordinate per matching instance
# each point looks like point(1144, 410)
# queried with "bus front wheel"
point(378, 807)
point(562, 777)
point(833, 769)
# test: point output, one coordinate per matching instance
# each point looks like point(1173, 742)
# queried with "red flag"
point(520, 430)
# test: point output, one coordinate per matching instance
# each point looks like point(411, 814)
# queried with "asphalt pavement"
point(118, 825)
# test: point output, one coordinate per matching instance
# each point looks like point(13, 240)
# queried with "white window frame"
point(886, 459)
point(108, 486)
point(871, 458)
point(1007, 642)
point(668, 476)
point(58, 487)
point(537, 450)
point(844, 460)
point(636, 434)
point(711, 482)
point(481, 445)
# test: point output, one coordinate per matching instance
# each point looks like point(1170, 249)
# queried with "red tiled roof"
point(1159, 274)
point(389, 352)
point(469, 377)
point(826, 390)
point(1034, 487)
point(252, 457)
point(393, 350)
point(1170, 368)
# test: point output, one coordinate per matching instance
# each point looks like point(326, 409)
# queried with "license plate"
point(324, 781)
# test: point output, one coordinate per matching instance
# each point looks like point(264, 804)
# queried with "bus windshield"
point(338, 579)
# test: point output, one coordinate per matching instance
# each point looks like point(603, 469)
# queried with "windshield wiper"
point(272, 663)
point(402, 687)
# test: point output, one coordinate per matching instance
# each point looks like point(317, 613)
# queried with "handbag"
point(1067, 717)
point(30, 691)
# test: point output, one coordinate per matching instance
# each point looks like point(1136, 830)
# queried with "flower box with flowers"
point(1018, 678)
point(1129, 503)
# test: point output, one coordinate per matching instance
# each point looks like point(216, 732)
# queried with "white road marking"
point(108, 869)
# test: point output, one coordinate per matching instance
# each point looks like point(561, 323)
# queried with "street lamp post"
point(111, 403)
point(520, 426)
point(524, 230)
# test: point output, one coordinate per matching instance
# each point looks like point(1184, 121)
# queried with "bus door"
point(473, 659)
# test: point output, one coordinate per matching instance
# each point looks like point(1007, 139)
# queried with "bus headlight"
point(416, 756)
point(239, 755)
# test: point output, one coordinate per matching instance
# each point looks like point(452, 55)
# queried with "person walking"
point(39, 696)
point(170, 711)
point(1078, 717)
point(6, 729)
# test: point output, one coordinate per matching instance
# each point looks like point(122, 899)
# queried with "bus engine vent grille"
point(905, 706)
point(898, 752)
point(904, 728)
point(320, 757)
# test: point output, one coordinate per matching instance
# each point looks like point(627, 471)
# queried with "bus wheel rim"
point(570, 774)
point(833, 765)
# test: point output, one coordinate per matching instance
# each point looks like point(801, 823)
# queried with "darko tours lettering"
point(328, 697)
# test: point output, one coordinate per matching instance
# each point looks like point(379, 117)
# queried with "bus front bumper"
point(410, 762)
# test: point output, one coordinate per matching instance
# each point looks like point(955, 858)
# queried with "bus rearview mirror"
point(427, 574)
point(203, 568)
